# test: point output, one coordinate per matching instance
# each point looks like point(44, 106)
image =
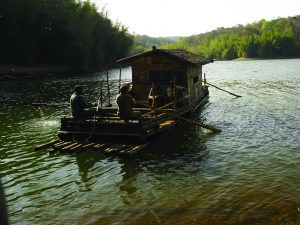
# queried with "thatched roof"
point(180, 54)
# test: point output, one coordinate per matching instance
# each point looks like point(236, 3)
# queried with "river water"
point(248, 174)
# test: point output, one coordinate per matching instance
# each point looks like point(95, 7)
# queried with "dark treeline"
point(64, 32)
point(263, 39)
point(143, 42)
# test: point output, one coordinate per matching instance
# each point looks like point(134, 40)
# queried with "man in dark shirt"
point(79, 107)
point(125, 104)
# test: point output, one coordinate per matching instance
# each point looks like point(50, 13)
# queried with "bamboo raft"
point(154, 70)
point(105, 148)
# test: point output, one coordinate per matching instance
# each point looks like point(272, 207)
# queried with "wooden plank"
point(109, 118)
point(110, 148)
point(123, 151)
point(59, 144)
point(69, 146)
point(62, 145)
point(100, 146)
point(87, 146)
point(103, 134)
point(76, 147)
point(122, 146)
point(134, 149)
point(47, 145)
point(113, 148)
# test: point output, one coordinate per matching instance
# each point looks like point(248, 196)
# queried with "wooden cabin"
point(162, 66)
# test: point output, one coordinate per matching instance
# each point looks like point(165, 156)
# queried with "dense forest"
point(63, 32)
point(143, 42)
point(262, 39)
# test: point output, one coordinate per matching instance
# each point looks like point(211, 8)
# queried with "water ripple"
point(248, 174)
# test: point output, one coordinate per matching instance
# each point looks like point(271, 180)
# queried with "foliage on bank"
point(143, 43)
point(262, 39)
point(67, 32)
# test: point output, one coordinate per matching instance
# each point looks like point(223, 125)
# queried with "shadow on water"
point(179, 147)
point(181, 150)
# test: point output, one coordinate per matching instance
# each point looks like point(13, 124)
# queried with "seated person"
point(156, 97)
point(125, 104)
point(80, 109)
point(179, 93)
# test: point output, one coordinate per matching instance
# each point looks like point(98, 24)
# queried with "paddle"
point(224, 90)
point(206, 126)
point(161, 109)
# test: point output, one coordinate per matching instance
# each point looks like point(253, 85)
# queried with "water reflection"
point(187, 153)
point(248, 174)
point(86, 162)
point(129, 171)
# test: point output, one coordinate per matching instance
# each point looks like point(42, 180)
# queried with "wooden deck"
point(105, 148)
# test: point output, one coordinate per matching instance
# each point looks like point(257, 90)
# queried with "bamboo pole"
point(224, 90)
point(101, 95)
point(174, 92)
point(108, 89)
point(49, 144)
point(99, 102)
point(87, 146)
point(204, 80)
point(61, 145)
point(74, 148)
point(120, 77)
point(69, 146)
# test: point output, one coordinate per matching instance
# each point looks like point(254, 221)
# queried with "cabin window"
point(164, 77)
point(195, 79)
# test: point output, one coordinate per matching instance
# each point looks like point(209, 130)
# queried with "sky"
point(165, 18)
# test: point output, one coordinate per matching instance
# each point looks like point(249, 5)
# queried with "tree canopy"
point(262, 39)
point(68, 32)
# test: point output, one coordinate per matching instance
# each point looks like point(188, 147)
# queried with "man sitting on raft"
point(80, 109)
point(125, 104)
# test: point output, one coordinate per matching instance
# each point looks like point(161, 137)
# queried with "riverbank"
point(37, 71)
point(247, 59)
point(244, 59)
point(12, 72)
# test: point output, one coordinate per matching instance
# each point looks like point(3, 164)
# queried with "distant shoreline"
point(244, 59)
point(36, 71)
point(13, 72)
point(250, 59)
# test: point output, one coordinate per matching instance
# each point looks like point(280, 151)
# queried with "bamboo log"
point(100, 146)
point(47, 145)
point(112, 149)
point(224, 90)
point(76, 147)
point(68, 146)
point(108, 89)
point(119, 148)
point(135, 149)
point(61, 145)
point(124, 150)
point(88, 146)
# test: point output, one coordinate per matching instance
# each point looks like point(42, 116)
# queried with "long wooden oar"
point(224, 90)
point(158, 109)
point(206, 126)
